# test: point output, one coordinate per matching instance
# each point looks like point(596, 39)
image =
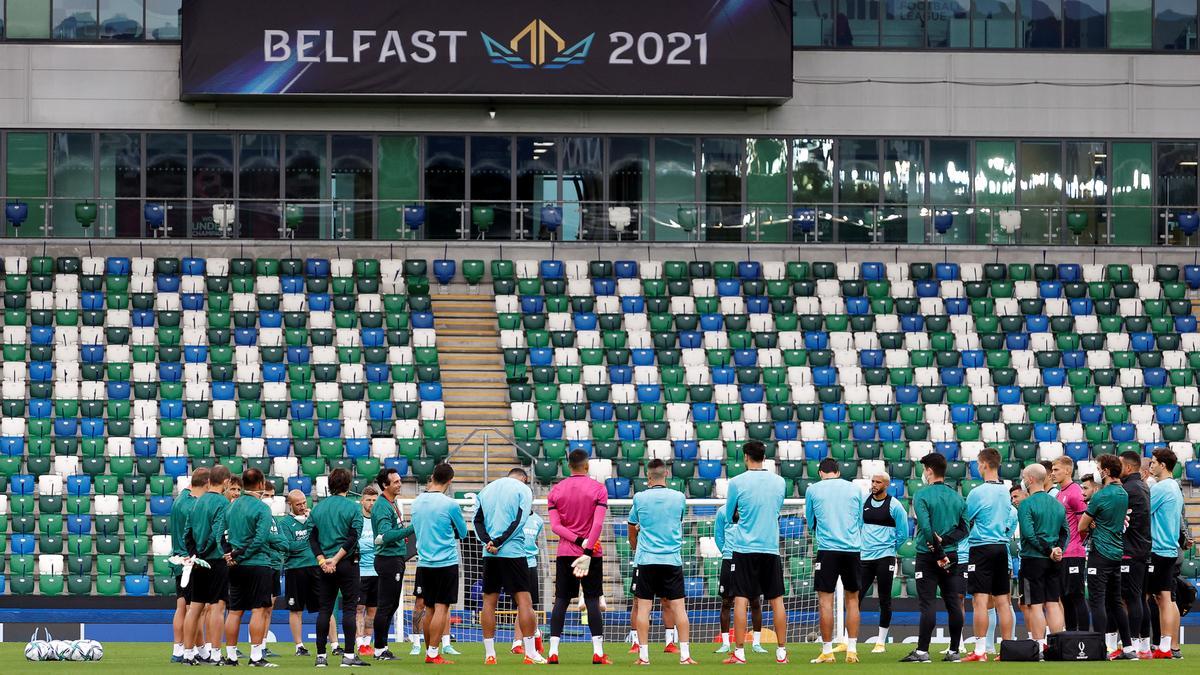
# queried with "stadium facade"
point(1076, 115)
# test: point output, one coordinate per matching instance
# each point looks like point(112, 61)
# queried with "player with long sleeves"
point(884, 531)
point(1074, 562)
point(180, 510)
point(577, 506)
point(1042, 522)
point(390, 553)
point(251, 532)
point(337, 523)
point(204, 540)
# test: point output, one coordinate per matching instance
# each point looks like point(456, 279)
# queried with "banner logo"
point(538, 36)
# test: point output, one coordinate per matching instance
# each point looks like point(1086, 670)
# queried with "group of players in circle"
point(1111, 532)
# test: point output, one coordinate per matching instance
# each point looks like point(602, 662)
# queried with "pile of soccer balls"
point(63, 650)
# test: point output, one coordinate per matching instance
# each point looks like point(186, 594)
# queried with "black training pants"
point(390, 569)
point(880, 571)
point(344, 579)
point(931, 578)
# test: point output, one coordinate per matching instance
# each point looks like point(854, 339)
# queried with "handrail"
point(486, 431)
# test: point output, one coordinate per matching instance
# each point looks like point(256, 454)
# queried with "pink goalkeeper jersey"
point(1072, 500)
point(577, 506)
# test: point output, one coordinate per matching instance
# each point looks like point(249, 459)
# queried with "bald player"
point(300, 568)
point(884, 530)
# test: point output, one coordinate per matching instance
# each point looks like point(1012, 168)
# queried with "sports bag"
point(1075, 645)
point(1020, 650)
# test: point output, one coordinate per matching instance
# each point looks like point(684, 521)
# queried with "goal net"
point(701, 562)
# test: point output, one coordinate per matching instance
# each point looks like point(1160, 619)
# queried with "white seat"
point(118, 446)
point(873, 467)
point(733, 431)
point(50, 564)
point(650, 269)
point(1049, 451)
point(383, 448)
point(1070, 432)
point(1184, 452)
point(433, 410)
point(918, 449)
point(704, 288)
point(600, 469)
point(659, 450)
point(526, 269)
point(993, 432)
point(49, 485)
point(785, 450)
point(715, 450)
point(969, 450)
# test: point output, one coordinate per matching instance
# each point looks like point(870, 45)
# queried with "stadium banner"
point(484, 49)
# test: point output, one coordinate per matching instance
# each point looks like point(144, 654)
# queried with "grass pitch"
point(139, 657)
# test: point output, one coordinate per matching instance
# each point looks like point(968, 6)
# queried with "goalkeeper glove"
point(581, 566)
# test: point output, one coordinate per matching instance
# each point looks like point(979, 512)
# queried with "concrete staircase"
point(473, 386)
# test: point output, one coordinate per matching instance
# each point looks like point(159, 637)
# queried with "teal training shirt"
point(1166, 518)
point(505, 504)
point(533, 538)
point(756, 497)
point(882, 541)
point(206, 524)
point(989, 513)
point(833, 508)
point(658, 513)
point(438, 523)
point(723, 534)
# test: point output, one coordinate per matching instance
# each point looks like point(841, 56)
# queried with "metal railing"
point(488, 432)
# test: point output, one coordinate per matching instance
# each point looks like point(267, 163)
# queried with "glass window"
point(1130, 24)
point(162, 19)
point(353, 185)
point(583, 188)
point(1085, 188)
point(1041, 24)
point(26, 174)
point(74, 20)
point(950, 187)
point(121, 183)
point(767, 188)
point(307, 212)
point(995, 24)
point(537, 180)
point(904, 191)
point(857, 23)
point(812, 23)
point(676, 214)
point(1132, 220)
point(400, 183)
point(1, 18)
point(491, 186)
point(721, 189)
point(29, 20)
point(904, 23)
point(628, 184)
point(211, 182)
point(995, 189)
point(949, 24)
point(166, 166)
point(1085, 24)
point(1175, 25)
point(445, 184)
point(258, 179)
point(812, 187)
point(121, 19)
point(1041, 191)
point(858, 183)
point(74, 162)
point(1176, 185)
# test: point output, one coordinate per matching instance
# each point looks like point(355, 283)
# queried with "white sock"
point(231, 653)
point(852, 645)
point(1110, 641)
point(256, 652)
point(598, 645)
point(980, 646)
point(1164, 645)
point(685, 651)
point(516, 643)
point(669, 635)
point(489, 647)
point(780, 653)
point(1145, 644)
point(445, 640)
point(204, 650)
point(725, 639)
point(177, 649)
point(299, 645)
point(883, 635)
point(530, 646)
point(740, 652)
point(634, 635)
point(826, 647)
point(537, 633)
point(554, 645)
point(1028, 635)
point(644, 653)
point(415, 638)
point(431, 652)
point(757, 638)
point(1042, 644)
point(189, 653)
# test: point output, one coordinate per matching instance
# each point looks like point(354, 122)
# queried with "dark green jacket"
point(1043, 523)
point(206, 526)
point(180, 511)
point(250, 528)
point(386, 524)
point(1108, 508)
point(939, 510)
point(296, 550)
point(337, 523)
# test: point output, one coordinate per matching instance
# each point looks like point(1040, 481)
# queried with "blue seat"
point(145, 447)
point(686, 450)
point(1154, 377)
point(580, 444)
point(1167, 413)
point(816, 450)
point(1082, 306)
point(91, 353)
point(1050, 289)
point(65, 426)
point(532, 304)
point(649, 393)
point(642, 356)
point(253, 428)
point(1054, 377)
point(1123, 433)
point(625, 269)
point(357, 448)
point(550, 430)
point(727, 288)
point(192, 302)
point(1037, 323)
point(690, 339)
point(22, 544)
point(907, 393)
point(161, 505)
point(329, 428)
point(421, 319)
point(41, 371)
point(749, 269)
point(761, 304)
point(274, 372)
point(195, 353)
point(42, 408)
point(1045, 432)
point(1070, 272)
point(137, 585)
point(872, 271)
point(605, 287)
point(710, 322)
point(298, 356)
point(824, 376)
point(316, 267)
point(890, 431)
point(167, 283)
point(143, 318)
point(319, 302)
point(693, 587)
point(79, 524)
point(912, 323)
point(1076, 358)
point(704, 412)
point(541, 356)
point(381, 410)
point(1091, 414)
point(245, 337)
point(1077, 451)
point(752, 393)
point(817, 339)
point(863, 431)
point(786, 431)
point(551, 269)
point(953, 377)
point(1016, 341)
point(948, 449)
point(709, 469)
point(833, 412)
point(430, 391)
point(724, 375)
point(279, 447)
point(962, 413)
point(1141, 342)
point(946, 271)
point(79, 485)
point(791, 527)
point(170, 409)
point(12, 446)
point(927, 288)
point(1185, 324)
point(618, 488)
point(92, 427)
point(584, 320)
point(443, 270)
point(601, 411)
point(620, 374)
point(956, 306)
point(1008, 395)
point(629, 430)
point(1192, 471)
point(117, 265)
point(633, 304)
point(91, 300)
point(378, 373)
point(871, 358)
point(302, 410)
point(291, 284)
point(857, 306)
point(175, 466)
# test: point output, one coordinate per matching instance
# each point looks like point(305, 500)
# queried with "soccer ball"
point(89, 650)
point(37, 650)
point(60, 650)
point(74, 653)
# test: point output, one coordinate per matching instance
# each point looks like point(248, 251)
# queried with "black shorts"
point(301, 589)
point(368, 591)
point(211, 585)
point(1072, 576)
point(249, 587)
point(833, 565)
point(535, 587)
point(437, 585)
point(658, 581)
point(726, 580)
point(932, 578)
point(184, 592)
point(987, 570)
point(509, 574)
point(755, 574)
point(1133, 577)
point(1040, 580)
point(1160, 575)
point(567, 585)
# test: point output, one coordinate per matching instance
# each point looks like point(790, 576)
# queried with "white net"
point(702, 565)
